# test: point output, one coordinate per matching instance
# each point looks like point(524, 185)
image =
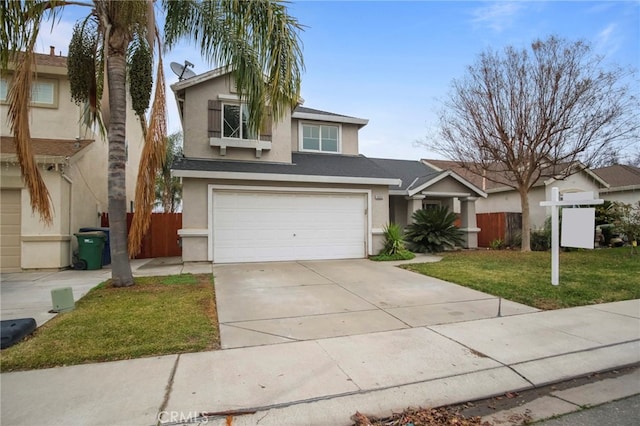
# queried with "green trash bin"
point(90, 245)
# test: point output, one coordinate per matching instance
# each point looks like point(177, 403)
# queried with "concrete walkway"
point(323, 381)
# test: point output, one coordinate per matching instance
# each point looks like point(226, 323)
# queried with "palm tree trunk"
point(116, 69)
point(526, 219)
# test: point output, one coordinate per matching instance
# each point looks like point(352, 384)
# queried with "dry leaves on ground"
point(420, 417)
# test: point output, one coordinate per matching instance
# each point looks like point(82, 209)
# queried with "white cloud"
point(58, 37)
point(608, 40)
point(497, 15)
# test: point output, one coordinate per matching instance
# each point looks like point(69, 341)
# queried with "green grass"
point(157, 316)
point(586, 276)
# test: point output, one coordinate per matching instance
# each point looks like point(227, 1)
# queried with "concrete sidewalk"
point(320, 381)
point(324, 381)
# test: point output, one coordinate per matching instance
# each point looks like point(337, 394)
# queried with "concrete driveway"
point(265, 303)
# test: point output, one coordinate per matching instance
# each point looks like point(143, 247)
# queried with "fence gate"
point(503, 226)
point(161, 240)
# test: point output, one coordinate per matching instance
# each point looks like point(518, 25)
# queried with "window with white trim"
point(234, 122)
point(320, 137)
point(44, 92)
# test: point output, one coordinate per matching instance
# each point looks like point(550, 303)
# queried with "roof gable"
point(417, 176)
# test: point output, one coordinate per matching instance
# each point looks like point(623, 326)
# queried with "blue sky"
point(392, 62)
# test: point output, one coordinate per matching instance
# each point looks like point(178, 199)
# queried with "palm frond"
point(151, 160)
point(18, 98)
point(259, 40)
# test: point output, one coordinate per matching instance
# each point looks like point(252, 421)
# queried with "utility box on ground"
point(62, 299)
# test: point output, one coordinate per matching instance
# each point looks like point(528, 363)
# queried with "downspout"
point(65, 177)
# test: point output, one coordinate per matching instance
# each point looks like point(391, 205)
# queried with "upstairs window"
point(320, 137)
point(229, 121)
point(234, 122)
point(44, 92)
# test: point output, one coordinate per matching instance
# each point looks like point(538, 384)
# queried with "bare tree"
point(521, 115)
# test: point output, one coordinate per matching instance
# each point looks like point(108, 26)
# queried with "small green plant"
point(394, 248)
point(496, 244)
point(402, 255)
point(393, 242)
point(433, 231)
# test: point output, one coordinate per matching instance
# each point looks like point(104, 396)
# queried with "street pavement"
point(313, 380)
point(624, 412)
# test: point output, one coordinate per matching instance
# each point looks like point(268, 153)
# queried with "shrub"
point(496, 244)
point(433, 230)
point(394, 248)
point(393, 241)
point(541, 238)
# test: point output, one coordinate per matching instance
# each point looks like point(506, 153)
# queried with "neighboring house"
point(501, 198)
point(624, 183)
point(73, 164)
point(298, 191)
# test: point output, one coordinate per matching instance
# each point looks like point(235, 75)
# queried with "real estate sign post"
point(577, 224)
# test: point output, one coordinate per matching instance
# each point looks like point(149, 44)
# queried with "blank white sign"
point(578, 227)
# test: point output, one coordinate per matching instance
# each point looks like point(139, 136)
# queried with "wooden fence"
point(161, 240)
point(498, 226)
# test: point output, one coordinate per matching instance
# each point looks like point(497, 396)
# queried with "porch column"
point(468, 222)
point(413, 205)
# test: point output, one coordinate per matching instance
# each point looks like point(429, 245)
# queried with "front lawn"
point(586, 276)
point(157, 316)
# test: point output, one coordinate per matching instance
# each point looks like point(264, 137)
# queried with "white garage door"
point(267, 226)
point(9, 230)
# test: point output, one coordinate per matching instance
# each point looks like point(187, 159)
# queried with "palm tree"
point(169, 188)
point(258, 40)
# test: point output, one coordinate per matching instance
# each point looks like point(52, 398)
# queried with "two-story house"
point(73, 164)
point(300, 190)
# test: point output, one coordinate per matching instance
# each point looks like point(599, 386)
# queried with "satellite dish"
point(182, 71)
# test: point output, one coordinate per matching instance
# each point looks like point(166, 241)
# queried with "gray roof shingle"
point(619, 175)
point(412, 173)
point(310, 164)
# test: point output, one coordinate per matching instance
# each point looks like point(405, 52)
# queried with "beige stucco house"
point(300, 190)
point(501, 198)
point(73, 164)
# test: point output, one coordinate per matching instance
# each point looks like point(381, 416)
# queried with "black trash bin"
point(106, 253)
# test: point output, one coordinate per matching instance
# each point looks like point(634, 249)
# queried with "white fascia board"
point(330, 118)
point(397, 192)
point(620, 189)
point(200, 78)
point(284, 177)
point(447, 194)
point(443, 175)
point(433, 166)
